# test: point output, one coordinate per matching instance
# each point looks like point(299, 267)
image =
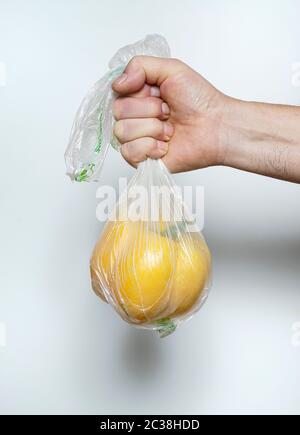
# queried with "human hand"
point(167, 110)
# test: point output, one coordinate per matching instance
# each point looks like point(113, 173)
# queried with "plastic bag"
point(151, 262)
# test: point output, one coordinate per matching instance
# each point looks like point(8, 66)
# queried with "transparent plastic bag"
point(151, 262)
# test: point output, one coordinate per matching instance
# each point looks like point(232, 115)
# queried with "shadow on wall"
point(143, 354)
point(257, 267)
point(267, 253)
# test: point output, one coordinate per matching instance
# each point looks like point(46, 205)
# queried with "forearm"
point(262, 138)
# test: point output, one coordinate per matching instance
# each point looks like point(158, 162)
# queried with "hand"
point(167, 110)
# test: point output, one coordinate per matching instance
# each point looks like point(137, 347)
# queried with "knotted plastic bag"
point(151, 263)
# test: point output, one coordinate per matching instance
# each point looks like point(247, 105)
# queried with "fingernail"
point(165, 109)
point(122, 79)
point(163, 146)
point(169, 129)
point(154, 91)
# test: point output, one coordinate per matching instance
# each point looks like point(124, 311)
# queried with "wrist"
point(223, 111)
point(237, 131)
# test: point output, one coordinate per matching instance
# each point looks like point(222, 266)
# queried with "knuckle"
point(135, 61)
point(129, 153)
point(176, 62)
point(119, 130)
point(117, 109)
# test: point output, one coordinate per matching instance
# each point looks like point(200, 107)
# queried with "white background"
point(66, 352)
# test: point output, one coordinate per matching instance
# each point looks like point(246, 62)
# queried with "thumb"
point(145, 69)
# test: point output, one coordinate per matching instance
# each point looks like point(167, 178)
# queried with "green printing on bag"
point(166, 327)
point(85, 173)
point(100, 133)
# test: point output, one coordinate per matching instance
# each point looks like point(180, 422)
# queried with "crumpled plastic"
point(92, 129)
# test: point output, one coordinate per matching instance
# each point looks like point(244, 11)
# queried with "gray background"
point(66, 351)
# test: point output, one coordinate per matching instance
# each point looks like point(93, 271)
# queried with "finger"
point(151, 107)
point(137, 151)
point(146, 91)
point(127, 130)
point(145, 69)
